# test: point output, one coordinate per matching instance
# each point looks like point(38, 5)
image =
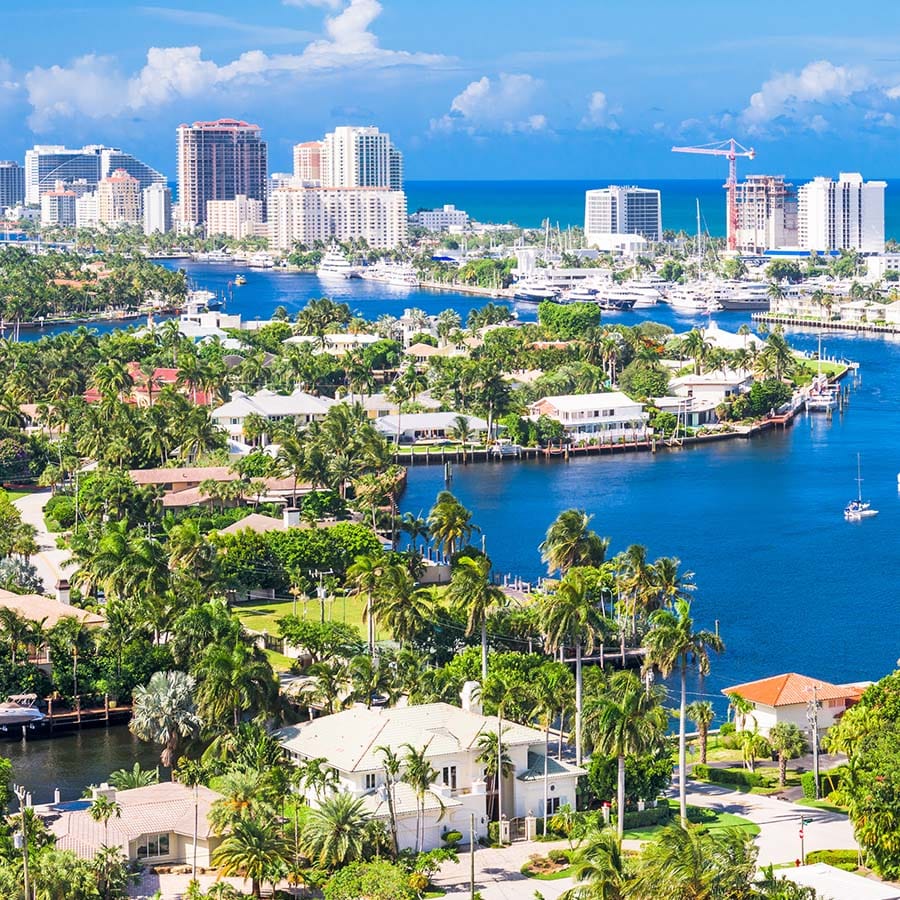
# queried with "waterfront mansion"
point(608, 417)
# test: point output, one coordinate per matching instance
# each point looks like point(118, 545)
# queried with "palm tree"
point(570, 617)
point(234, 679)
point(254, 850)
point(627, 721)
point(472, 592)
point(673, 644)
point(407, 610)
point(742, 708)
point(701, 713)
point(569, 542)
point(392, 765)
point(334, 832)
point(135, 777)
point(492, 754)
point(419, 775)
point(163, 713)
point(599, 869)
point(102, 809)
point(416, 527)
point(365, 575)
point(450, 523)
point(788, 743)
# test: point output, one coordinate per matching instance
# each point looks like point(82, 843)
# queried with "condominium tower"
point(308, 162)
point(218, 161)
point(847, 214)
point(622, 210)
point(767, 214)
point(157, 209)
point(12, 184)
point(354, 156)
point(119, 199)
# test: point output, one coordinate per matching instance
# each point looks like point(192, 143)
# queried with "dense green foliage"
point(570, 321)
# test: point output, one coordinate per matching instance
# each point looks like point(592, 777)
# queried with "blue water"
point(528, 203)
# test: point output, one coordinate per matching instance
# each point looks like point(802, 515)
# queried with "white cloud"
point(93, 86)
point(332, 4)
point(599, 114)
point(505, 104)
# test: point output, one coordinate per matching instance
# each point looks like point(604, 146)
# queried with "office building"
point(238, 218)
point(361, 157)
point(87, 210)
point(441, 219)
point(46, 164)
point(218, 161)
point(305, 215)
point(119, 199)
point(157, 200)
point(847, 214)
point(12, 184)
point(308, 162)
point(58, 208)
point(767, 214)
point(619, 210)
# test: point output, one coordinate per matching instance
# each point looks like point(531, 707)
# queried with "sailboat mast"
point(699, 241)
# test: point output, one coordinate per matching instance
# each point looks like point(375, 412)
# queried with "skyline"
point(474, 94)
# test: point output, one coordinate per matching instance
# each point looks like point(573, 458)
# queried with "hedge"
point(848, 860)
point(658, 815)
point(730, 776)
point(829, 781)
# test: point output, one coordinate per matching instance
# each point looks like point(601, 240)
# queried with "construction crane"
point(731, 150)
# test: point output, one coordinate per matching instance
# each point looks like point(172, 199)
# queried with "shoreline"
point(830, 324)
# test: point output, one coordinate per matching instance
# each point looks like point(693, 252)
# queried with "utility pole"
point(812, 716)
point(472, 856)
point(21, 793)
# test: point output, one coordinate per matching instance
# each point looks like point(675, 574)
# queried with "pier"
point(831, 324)
point(66, 720)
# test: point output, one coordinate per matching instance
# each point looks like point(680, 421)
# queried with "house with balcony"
point(713, 387)
point(300, 407)
point(451, 737)
point(606, 417)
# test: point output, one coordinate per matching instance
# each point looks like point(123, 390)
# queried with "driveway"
point(49, 561)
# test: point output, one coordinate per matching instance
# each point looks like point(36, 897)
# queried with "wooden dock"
point(57, 720)
point(830, 324)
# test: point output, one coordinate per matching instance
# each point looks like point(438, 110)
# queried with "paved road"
point(49, 561)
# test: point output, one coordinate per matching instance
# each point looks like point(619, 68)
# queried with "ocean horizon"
point(528, 202)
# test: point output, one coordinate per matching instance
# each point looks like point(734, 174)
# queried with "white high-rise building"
point(847, 214)
point(767, 214)
point(236, 218)
point(617, 210)
point(308, 162)
point(87, 211)
point(304, 215)
point(58, 207)
point(360, 156)
point(157, 209)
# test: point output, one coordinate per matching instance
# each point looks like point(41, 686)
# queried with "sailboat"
point(858, 509)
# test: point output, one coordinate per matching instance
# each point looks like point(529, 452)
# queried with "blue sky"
point(488, 89)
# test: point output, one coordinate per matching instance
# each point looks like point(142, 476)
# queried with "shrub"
point(61, 510)
point(493, 833)
point(731, 776)
point(451, 838)
point(558, 856)
point(829, 782)
point(808, 783)
point(848, 860)
point(700, 815)
point(658, 815)
point(726, 729)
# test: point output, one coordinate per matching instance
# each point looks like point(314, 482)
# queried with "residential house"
point(380, 404)
point(336, 344)
point(693, 412)
point(299, 406)
point(608, 416)
point(146, 387)
point(433, 426)
point(155, 825)
point(788, 698)
point(450, 735)
point(712, 387)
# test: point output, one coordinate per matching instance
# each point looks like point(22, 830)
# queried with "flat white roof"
point(838, 884)
point(578, 402)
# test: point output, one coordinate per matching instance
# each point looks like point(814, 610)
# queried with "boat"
point(616, 299)
point(691, 298)
point(261, 261)
point(384, 272)
point(581, 294)
point(215, 256)
point(743, 295)
point(535, 293)
point(19, 709)
point(239, 280)
point(858, 508)
point(334, 265)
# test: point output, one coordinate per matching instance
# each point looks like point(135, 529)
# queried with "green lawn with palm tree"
point(713, 821)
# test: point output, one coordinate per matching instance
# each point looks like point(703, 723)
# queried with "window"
point(449, 775)
point(151, 845)
point(552, 805)
point(370, 781)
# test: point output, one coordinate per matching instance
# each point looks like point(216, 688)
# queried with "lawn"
point(822, 804)
point(718, 822)
point(16, 495)
point(263, 615)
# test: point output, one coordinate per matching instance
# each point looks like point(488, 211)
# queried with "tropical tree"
point(627, 721)
point(365, 575)
point(392, 765)
point(163, 712)
point(254, 850)
point(787, 741)
point(701, 713)
point(673, 644)
point(471, 591)
point(101, 810)
point(334, 832)
point(450, 523)
point(135, 777)
point(599, 868)
point(493, 755)
point(419, 774)
point(569, 542)
point(404, 608)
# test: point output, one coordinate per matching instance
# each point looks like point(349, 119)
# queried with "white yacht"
point(691, 298)
point(648, 292)
point(261, 261)
point(19, 709)
point(215, 256)
point(535, 292)
point(743, 295)
point(398, 274)
point(858, 508)
point(615, 298)
point(581, 294)
point(335, 265)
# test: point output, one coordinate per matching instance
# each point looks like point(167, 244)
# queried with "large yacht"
point(335, 265)
point(399, 274)
point(692, 298)
point(615, 298)
point(535, 293)
point(749, 295)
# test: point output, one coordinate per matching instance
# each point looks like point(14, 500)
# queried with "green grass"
point(264, 615)
point(720, 821)
point(16, 495)
point(822, 804)
point(280, 662)
point(546, 876)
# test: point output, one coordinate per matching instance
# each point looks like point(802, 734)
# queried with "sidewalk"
point(49, 561)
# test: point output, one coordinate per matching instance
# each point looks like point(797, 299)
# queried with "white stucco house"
point(155, 825)
point(712, 387)
point(349, 741)
point(432, 426)
point(608, 416)
point(787, 698)
point(303, 408)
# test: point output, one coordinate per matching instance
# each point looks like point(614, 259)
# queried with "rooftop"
point(37, 608)
point(578, 402)
point(791, 689)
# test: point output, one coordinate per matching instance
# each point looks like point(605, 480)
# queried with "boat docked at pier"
point(397, 274)
point(335, 265)
point(616, 299)
point(691, 298)
point(535, 293)
point(19, 709)
point(742, 295)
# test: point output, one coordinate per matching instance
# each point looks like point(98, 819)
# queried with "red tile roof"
point(790, 690)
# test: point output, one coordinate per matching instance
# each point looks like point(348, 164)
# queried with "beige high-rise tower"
point(119, 199)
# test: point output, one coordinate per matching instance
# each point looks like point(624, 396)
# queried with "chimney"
point(291, 517)
point(63, 592)
point(470, 695)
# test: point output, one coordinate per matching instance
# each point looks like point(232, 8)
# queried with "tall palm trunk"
point(578, 703)
point(682, 751)
point(620, 798)
point(499, 772)
point(546, 768)
point(371, 624)
point(484, 649)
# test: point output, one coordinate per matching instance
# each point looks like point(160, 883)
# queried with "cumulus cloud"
point(599, 114)
point(93, 86)
point(505, 104)
point(800, 96)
